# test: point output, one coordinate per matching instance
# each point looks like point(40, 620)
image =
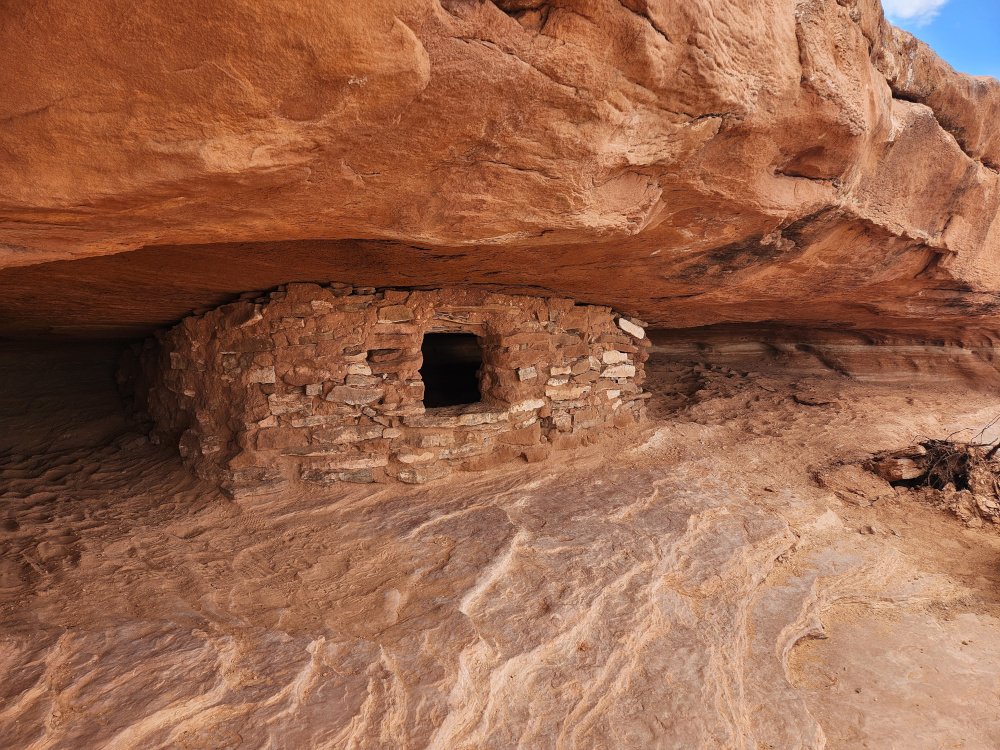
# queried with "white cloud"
point(914, 11)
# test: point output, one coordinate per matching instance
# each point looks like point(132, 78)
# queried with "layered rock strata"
point(324, 384)
point(691, 163)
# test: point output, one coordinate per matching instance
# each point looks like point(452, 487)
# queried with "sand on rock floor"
point(692, 586)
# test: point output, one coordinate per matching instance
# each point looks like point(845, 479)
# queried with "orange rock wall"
point(689, 162)
point(322, 384)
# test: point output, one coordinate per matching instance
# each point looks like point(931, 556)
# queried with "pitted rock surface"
point(687, 163)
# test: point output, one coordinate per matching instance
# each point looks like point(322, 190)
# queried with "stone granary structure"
point(323, 384)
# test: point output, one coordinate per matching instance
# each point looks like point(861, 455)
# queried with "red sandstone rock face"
point(688, 162)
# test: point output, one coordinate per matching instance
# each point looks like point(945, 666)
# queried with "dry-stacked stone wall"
point(323, 384)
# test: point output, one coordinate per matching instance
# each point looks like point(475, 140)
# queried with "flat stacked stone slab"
point(322, 384)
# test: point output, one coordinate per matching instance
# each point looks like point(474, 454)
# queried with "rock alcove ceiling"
point(799, 199)
point(681, 163)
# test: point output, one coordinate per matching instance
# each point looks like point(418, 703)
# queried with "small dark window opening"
point(451, 369)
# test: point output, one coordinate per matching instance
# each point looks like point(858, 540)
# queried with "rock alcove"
point(799, 198)
point(323, 384)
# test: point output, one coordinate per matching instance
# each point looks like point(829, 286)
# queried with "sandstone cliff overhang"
point(322, 384)
point(685, 162)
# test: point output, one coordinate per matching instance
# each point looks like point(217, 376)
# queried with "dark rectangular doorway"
point(451, 369)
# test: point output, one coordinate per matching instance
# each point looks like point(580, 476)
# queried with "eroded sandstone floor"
point(694, 586)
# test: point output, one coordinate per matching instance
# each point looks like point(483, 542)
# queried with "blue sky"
point(966, 33)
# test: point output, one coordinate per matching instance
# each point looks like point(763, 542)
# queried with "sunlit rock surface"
point(689, 163)
point(663, 593)
point(804, 196)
